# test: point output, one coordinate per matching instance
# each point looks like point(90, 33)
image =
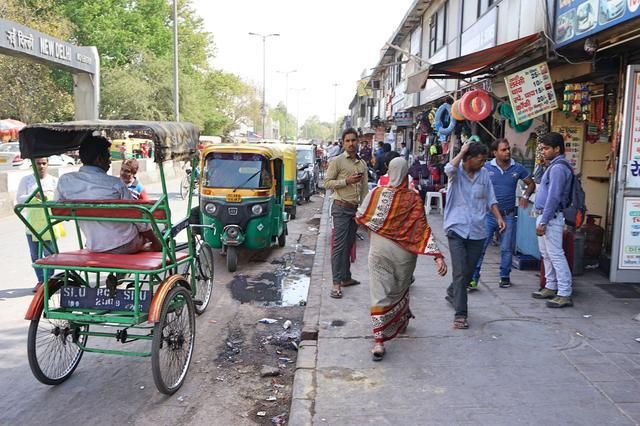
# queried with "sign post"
point(531, 92)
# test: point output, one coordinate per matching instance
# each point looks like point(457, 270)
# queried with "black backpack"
point(574, 208)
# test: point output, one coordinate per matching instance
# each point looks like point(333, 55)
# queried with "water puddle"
point(282, 288)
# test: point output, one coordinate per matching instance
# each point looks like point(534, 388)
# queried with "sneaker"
point(560, 302)
point(504, 283)
point(472, 286)
point(544, 293)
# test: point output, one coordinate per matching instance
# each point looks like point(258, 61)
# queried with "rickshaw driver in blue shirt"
point(92, 182)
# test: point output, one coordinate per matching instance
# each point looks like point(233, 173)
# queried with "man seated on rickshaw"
point(92, 182)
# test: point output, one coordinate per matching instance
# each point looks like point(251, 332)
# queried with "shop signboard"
point(630, 236)
point(577, 19)
point(633, 161)
point(573, 144)
point(531, 92)
point(403, 118)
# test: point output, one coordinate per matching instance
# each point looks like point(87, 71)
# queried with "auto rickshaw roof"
point(171, 140)
point(266, 150)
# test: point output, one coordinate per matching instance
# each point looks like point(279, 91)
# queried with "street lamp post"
point(176, 93)
point(286, 99)
point(264, 74)
point(300, 90)
point(335, 117)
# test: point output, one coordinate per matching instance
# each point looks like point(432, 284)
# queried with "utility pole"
point(176, 87)
point(299, 91)
point(335, 117)
point(264, 75)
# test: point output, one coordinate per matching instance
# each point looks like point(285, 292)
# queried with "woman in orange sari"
point(399, 233)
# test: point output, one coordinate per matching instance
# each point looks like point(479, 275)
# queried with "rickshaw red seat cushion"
point(123, 213)
point(145, 260)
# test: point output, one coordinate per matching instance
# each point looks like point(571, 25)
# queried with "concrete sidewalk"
point(518, 363)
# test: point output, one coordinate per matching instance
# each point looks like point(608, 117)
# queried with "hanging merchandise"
point(431, 117)
point(506, 113)
point(585, 102)
point(455, 111)
point(567, 97)
point(443, 117)
point(476, 105)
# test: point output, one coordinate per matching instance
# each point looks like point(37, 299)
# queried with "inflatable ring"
point(445, 107)
point(484, 101)
point(455, 111)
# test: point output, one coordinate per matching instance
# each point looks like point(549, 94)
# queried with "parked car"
point(10, 156)
point(308, 171)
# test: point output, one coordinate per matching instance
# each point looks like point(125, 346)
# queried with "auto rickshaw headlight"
point(210, 208)
point(256, 209)
point(232, 233)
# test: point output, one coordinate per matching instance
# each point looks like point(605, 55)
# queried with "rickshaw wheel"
point(232, 259)
point(53, 345)
point(184, 186)
point(173, 341)
point(204, 275)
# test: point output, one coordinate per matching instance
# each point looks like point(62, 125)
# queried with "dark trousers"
point(464, 257)
point(344, 235)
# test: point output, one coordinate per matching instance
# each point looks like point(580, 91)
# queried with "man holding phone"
point(347, 177)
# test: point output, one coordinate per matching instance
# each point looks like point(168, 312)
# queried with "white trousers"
point(556, 267)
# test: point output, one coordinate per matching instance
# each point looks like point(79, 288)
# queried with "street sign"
point(531, 92)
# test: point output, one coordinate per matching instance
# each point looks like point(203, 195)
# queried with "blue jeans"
point(506, 244)
point(33, 249)
point(556, 267)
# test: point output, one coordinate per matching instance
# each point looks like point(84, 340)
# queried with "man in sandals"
point(470, 197)
point(347, 177)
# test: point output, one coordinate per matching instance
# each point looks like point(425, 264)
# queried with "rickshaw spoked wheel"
point(52, 344)
point(232, 258)
point(204, 275)
point(173, 340)
point(184, 186)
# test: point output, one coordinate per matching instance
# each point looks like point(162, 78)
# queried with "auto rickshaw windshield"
point(304, 156)
point(237, 171)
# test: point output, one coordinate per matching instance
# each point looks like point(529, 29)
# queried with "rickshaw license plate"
point(234, 198)
point(99, 298)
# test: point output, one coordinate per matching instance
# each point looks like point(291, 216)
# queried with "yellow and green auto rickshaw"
point(290, 177)
point(242, 198)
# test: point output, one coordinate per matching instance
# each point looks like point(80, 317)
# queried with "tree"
point(313, 128)
point(30, 91)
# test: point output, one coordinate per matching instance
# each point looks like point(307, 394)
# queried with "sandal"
point(350, 283)
point(460, 323)
point(377, 353)
point(336, 293)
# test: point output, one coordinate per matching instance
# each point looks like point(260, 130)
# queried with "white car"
point(10, 156)
point(54, 161)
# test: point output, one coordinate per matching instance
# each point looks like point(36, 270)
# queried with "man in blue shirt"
point(470, 197)
point(553, 193)
point(504, 173)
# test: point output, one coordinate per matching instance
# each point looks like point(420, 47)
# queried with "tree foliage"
point(135, 41)
point(313, 128)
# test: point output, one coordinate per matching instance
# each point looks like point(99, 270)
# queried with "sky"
point(325, 42)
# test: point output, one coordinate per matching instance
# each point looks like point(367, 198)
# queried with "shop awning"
point(480, 62)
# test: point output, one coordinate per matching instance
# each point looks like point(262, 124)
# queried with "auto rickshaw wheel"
point(282, 238)
point(173, 341)
point(232, 259)
point(54, 347)
point(204, 275)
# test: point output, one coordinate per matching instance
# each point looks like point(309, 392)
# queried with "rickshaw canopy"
point(172, 140)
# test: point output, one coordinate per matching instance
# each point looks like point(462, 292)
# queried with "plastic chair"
point(431, 196)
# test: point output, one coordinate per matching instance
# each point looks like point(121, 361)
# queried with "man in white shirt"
point(25, 188)
point(92, 182)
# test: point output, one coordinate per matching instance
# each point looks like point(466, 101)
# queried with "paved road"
point(118, 390)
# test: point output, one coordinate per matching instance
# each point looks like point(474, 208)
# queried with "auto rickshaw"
point(290, 178)
point(242, 198)
point(149, 296)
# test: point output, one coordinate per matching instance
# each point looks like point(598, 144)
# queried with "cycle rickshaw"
point(157, 294)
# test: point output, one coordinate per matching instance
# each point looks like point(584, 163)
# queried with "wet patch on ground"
point(287, 285)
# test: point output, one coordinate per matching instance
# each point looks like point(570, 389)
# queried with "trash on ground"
point(271, 398)
point(261, 413)
point(269, 371)
point(267, 320)
point(637, 339)
point(587, 316)
point(141, 387)
point(181, 398)
point(220, 379)
point(287, 324)
point(279, 420)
